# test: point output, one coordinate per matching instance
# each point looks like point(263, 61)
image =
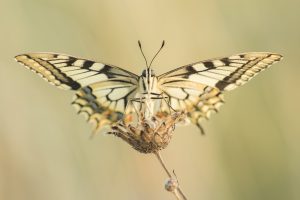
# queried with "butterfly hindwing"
point(198, 100)
point(103, 103)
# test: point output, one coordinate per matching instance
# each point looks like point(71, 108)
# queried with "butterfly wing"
point(103, 90)
point(198, 87)
point(68, 72)
point(198, 100)
point(104, 103)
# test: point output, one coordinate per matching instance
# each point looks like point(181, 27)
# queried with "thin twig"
point(177, 190)
point(162, 163)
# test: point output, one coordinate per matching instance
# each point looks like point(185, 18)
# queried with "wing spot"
point(191, 69)
point(209, 64)
point(60, 65)
point(62, 57)
point(225, 61)
point(88, 64)
point(199, 67)
point(236, 57)
point(36, 64)
point(97, 66)
point(56, 82)
point(218, 63)
point(78, 63)
point(235, 65)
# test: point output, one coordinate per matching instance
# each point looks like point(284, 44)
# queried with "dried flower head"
point(148, 135)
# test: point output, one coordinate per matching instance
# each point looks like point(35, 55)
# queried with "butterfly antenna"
point(162, 45)
point(140, 45)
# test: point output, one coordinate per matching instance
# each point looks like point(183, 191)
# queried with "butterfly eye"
point(144, 73)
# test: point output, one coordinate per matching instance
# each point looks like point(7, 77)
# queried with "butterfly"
point(104, 93)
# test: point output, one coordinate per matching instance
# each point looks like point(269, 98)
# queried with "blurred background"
point(251, 150)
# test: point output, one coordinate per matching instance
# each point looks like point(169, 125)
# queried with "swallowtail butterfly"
point(104, 92)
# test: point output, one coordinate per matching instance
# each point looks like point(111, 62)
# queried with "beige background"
point(251, 150)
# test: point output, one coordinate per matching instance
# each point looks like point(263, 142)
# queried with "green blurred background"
point(251, 150)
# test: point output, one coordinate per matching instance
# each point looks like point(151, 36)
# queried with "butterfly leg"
point(167, 100)
point(137, 110)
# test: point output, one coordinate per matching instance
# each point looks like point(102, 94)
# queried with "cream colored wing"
point(104, 103)
point(103, 90)
point(198, 87)
point(198, 100)
point(68, 72)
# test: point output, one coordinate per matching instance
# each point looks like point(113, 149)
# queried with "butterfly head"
point(148, 72)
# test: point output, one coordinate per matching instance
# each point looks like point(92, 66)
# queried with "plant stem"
point(177, 192)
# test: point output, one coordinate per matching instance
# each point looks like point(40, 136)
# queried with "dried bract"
point(148, 135)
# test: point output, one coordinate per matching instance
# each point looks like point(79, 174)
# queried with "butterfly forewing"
point(198, 87)
point(68, 72)
point(103, 90)
point(223, 73)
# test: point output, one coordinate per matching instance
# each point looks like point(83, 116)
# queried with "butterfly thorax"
point(149, 91)
point(148, 87)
